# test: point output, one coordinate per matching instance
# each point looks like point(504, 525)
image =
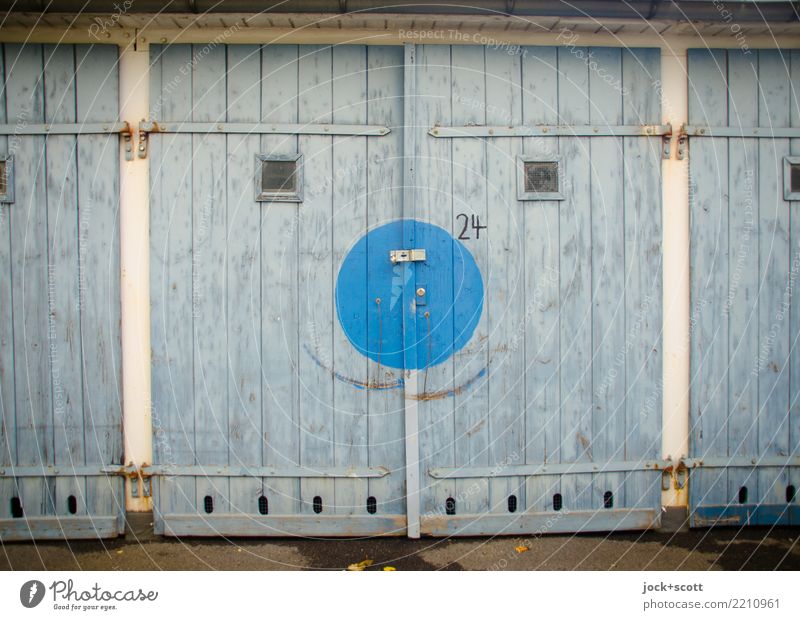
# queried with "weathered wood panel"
point(468, 158)
point(643, 268)
point(208, 172)
point(268, 368)
point(34, 422)
point(280, 231)
point(573, 287)
point(64, 278)
point(171, 278)
point(385, 202)
point(540, 334)
point(243, 294)
point(59, 258)
point(744, 270)
point(434, 204)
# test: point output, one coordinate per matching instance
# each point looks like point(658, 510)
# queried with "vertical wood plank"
point(244, 278)
point(469, 198)
point(349, 224)
point(385, 203)
point(542, 301)
point(794, 329)
point(778, 266)
point(24, 105)
point(208, 171)
point(608, 278)
point(315, 292)
point(171, 278)
point(741, 301)
point(575, 280)
point(643, 298)
point(97, 93)
point(505, 294)
point(8, 436)
point(64, 326)
point(708, 170)
point(279, 282)
point(433, 205)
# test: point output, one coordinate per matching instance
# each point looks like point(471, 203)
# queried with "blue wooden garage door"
point(545, 414)
point(60, 391)
point(745, 235)
point(268, 420)
point(409, 318)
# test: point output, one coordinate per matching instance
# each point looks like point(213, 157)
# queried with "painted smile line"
point(396, 384)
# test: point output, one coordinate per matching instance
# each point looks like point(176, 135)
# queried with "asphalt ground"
point(710, 549)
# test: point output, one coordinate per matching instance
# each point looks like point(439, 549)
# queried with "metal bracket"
point(533, 131)
point(127, 141)
point(144, 129)
point(681, 475)
point(665, 145)
point(666, 478)
point(407, 256)
point(140, 481)
point(683, 145)
point(541, 469)
point(741, 461)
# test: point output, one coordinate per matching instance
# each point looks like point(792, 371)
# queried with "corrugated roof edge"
point(742, 11)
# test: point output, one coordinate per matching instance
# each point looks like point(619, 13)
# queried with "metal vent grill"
point(541, 177)
point(278, 177)
point(794, 175)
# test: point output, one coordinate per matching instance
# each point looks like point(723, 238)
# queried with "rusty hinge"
point(406, 256)
point(140, 481)
point(683, 144)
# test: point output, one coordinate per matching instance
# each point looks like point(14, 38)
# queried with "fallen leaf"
point(119, 551)
point(360, 565)
point(389, 568)
point(522, 549)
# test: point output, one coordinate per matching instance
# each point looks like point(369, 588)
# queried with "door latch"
point(406, 256)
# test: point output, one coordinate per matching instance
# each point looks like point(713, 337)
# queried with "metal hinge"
point(145, 128)
point(406, 256)
point(683, 144)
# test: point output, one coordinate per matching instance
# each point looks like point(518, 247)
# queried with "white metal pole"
point(134, 273)
point(675, 213)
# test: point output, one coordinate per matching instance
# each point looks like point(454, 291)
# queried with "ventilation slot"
point(541, 177)
point(790, 494)
point(72, 505)
point(317, 504)
point(794, 178)
point(372, 505)
point(512, 503)
point(742, 495)
point(450, 506)
point(279, 178)
point(608, 499)
point(557, 502)
point(263, 506)
point(16, 508)
point(3, 177)
point(208, 504)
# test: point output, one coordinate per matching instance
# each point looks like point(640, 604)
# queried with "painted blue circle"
point(369, 295)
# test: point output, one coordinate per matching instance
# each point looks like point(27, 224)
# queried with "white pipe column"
point(675, 214)
point(134, 84)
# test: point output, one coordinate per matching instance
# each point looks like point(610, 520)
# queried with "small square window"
point(6, 179)
point(279, 178)
point(791, 178)
point(540, 178)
